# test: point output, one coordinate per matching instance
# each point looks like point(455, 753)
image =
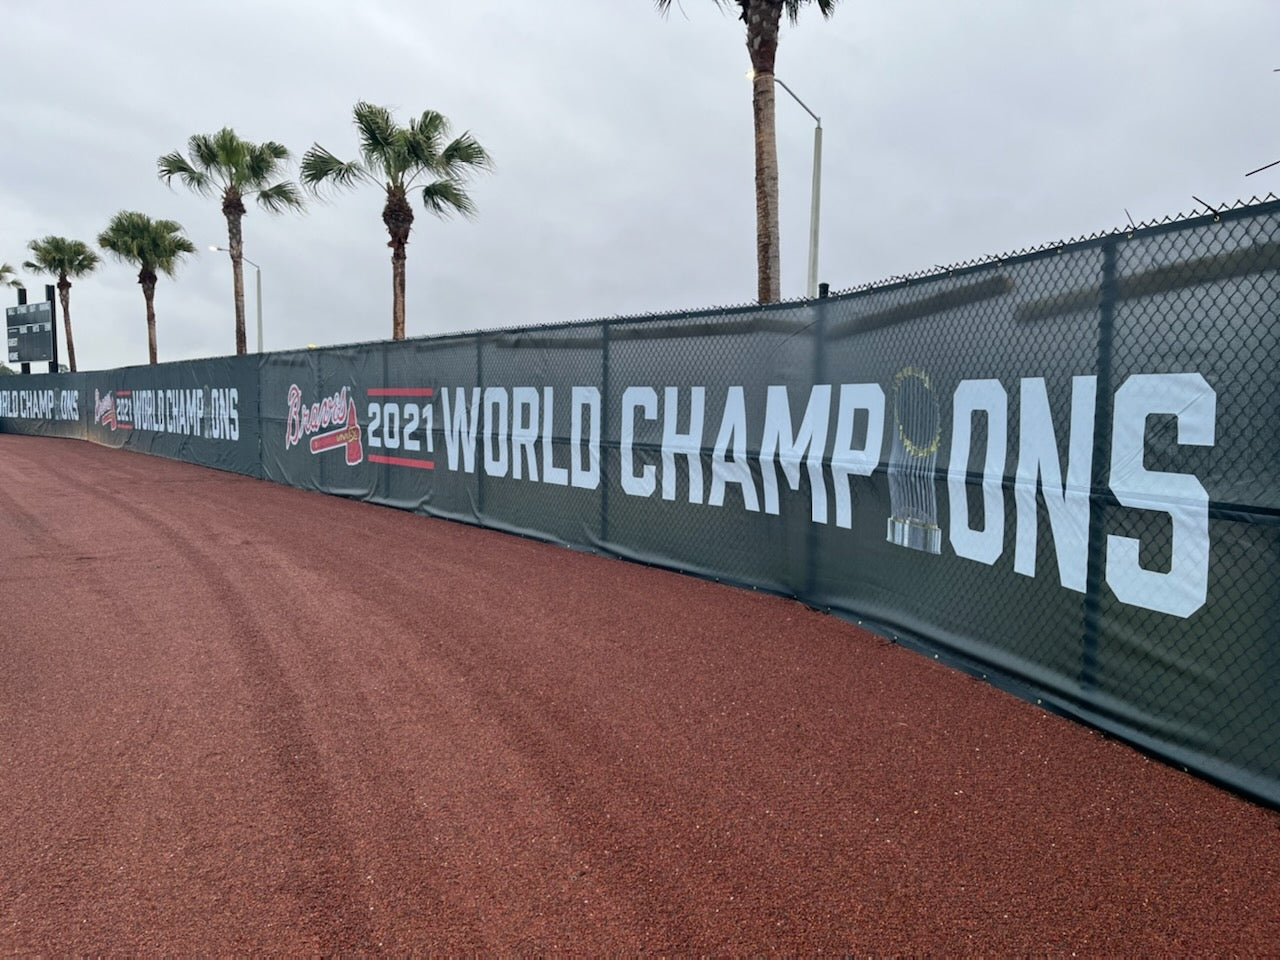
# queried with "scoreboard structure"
point(30, 332)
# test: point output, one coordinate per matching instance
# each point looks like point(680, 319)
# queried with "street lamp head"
point(214, 247)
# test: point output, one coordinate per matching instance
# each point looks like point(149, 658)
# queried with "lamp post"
point(258, 287)
point(812, 290)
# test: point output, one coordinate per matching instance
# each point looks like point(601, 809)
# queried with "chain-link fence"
point(1059, 469)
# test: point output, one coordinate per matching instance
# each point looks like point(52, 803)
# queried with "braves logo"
point(104, 409)
point(330, 423)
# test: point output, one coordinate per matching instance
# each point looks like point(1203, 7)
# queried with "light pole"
point(257, 278)
point(812, 290)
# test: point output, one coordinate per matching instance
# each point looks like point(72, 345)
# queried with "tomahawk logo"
point(104, 409)
point(330, 423)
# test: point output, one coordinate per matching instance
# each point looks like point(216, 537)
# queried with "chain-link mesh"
point(1060, 467)
point(1023, 538)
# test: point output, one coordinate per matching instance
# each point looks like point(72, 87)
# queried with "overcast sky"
point(953, 129)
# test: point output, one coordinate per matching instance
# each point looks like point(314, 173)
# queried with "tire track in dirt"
point(67, 701)
point(480, 743)
point(321, 875)
point(263, 630)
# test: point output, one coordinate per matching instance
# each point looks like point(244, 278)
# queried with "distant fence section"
point(1061, 470)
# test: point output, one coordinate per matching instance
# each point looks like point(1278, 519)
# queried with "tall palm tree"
point(9, 277)
point(232, 169)
point(64, 259)
point(399, 159)
point(763, 18)
point(149, 245)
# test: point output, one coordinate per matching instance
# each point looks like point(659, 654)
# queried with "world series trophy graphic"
point(912, 461)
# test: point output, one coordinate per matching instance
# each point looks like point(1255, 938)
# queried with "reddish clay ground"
point(239, 718)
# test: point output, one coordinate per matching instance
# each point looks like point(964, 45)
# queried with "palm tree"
point(9, 277)
point(64, 259)
point(149, 245)
point(763, 18)
point(232, 169)
point(400, 159)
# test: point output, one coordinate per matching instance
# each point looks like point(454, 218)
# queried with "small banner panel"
point(1060, 470)
point(199, 411)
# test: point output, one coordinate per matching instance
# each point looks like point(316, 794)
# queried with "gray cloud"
point(953, 129)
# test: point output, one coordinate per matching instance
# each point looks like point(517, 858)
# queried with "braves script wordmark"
point(337, 411)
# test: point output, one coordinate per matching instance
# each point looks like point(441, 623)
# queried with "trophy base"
point(915, 535)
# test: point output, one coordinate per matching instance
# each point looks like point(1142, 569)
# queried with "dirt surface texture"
point(238, 718)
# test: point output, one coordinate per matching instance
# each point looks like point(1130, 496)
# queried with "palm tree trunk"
point(398, 217)
point(763, 18)
point(768, 241)
point(233, 209)
point(148, 280)
point(64, 294)
point(398, 258)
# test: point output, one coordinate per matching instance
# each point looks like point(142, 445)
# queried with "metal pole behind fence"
point(813, 211)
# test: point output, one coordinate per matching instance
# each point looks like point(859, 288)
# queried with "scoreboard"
point(29, 332)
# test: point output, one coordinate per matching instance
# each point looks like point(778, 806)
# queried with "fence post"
point(1099, 495)
point(819, 333)
point(605, 330)
point(484, 449)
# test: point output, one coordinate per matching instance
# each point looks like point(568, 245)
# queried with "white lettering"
point(496, 406)
point(524, 431)
point(585, 476)
point(1183, 590)
point(787, 448)
point(550, 472)
point(636, 398)
point(460, 428)
point(846, 459)
point(687, 445)
point(986, 397)
point(733, 432)
point(1067, 503)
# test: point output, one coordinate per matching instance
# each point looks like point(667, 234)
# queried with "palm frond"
point(398, 166)
point(665, 5)
point(150, 245)
point(60, 257)
point(123, 236)
point(377, 132)
point(171, 249)
point(793, 7)
point(204, 152)
point(426, 134)
point(229, 152)
point(320, 168)
point(176, 165)
point(281, 196)
point(168, 226)
point(447, 197)
point(225, 164)
point(463, 157)
point(262, 163)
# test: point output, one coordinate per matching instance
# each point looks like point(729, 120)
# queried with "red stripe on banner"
point(403, 462)
point(124, 393)
point(400, 391)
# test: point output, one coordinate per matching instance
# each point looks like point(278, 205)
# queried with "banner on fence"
point(1060, 468)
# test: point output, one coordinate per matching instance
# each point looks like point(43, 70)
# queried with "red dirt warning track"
point(240, 718)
